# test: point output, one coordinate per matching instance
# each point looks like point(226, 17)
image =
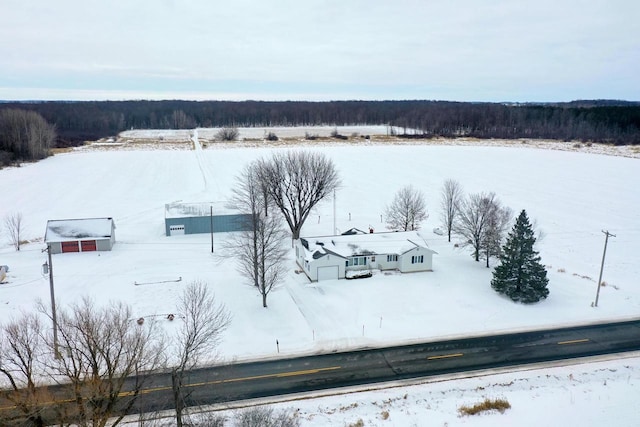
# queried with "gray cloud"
point(250, 49)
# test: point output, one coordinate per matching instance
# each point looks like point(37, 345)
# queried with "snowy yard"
point(573, 195)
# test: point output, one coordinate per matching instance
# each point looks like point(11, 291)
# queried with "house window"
point(417, 259)
point(357, 260)
point(392, 258)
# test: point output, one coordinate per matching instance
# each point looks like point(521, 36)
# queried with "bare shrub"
point(228, 134)
point(266, 417)
point(337, 135)
point(499, 405)
point(271, 137)
point(212, 420)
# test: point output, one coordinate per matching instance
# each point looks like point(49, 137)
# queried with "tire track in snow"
point(318, 320)
point(206, 169)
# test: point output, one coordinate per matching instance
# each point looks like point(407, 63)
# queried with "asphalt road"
point(285, 376)
point(319, 372)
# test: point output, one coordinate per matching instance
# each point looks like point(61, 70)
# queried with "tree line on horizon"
point(616, 122)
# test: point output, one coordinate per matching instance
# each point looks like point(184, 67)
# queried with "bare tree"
point(203, 321)
point(228, 134)
point(25, 134)
point(179, 120)
point(474, 218)
point(451, 196)
point(296, 182)
point(13, 227)
point(103, 354)
point(499, 222)
point(407, 210)
point(250, 197)
point(271, 254)
point(259, 249)
point(260, 253)
point(21, 364)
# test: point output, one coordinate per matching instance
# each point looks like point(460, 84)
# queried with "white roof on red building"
point(62, 230)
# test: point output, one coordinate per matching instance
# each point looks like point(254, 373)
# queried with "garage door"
point(88, 245)
point(328, 273)
point(176, 230)
point(70, 247)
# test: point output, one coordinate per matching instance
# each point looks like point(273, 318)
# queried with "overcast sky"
point(461, 50)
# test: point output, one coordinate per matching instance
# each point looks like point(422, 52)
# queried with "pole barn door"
point(70, 247)
point(88, 245)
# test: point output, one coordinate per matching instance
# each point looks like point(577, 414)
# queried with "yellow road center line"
point(573, 341)
point(278, 375)
point(231, 380)
point(445, 356)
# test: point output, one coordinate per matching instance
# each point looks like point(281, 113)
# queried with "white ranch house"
point(342, 256)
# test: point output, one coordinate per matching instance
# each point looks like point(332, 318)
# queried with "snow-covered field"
point(573, 194)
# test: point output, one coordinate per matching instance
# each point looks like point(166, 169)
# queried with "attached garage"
point(80, 235)
point(328, 273)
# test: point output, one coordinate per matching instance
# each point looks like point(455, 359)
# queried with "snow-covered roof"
point(60, 230)
point(196, 209)
point(365, 244)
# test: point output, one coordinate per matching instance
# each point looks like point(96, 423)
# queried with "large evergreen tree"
point(520, 275)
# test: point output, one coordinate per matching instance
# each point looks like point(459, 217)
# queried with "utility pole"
point(335, 228)
point(49, 269)
point(211, 216)
point(604, 253)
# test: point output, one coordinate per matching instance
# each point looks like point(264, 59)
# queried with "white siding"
point(407, 266)
point(384, 264)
